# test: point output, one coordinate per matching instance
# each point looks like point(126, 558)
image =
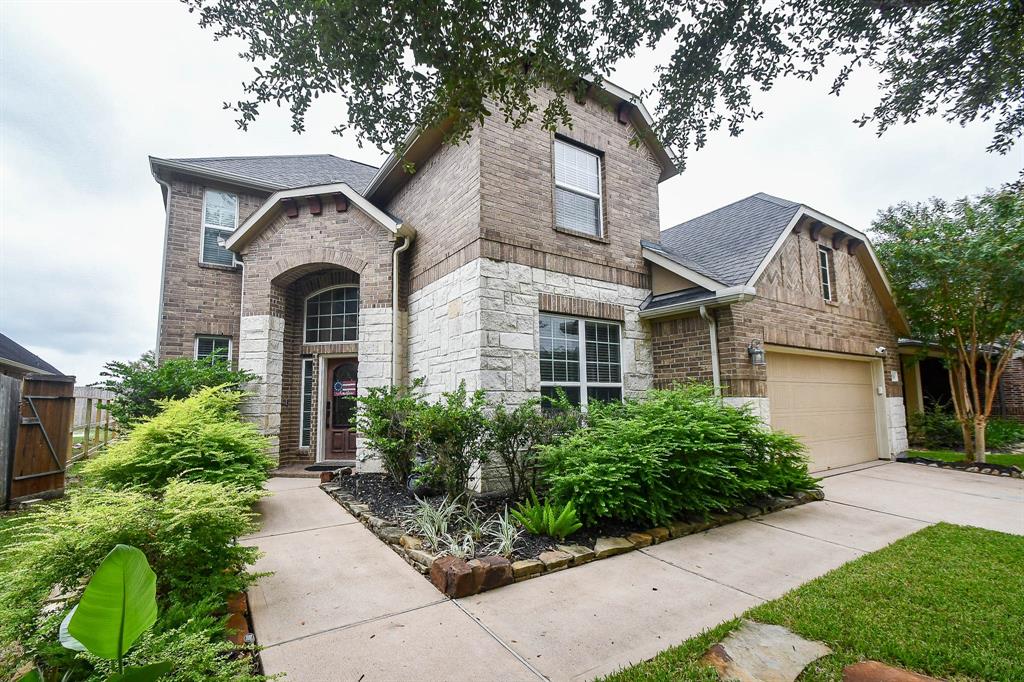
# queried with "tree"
point(958, 273)
point(402, 64)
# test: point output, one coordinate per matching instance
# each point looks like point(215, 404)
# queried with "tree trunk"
point(961, 406)
point(979, 439)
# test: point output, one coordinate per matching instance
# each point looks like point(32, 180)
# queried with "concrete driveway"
point(341, 606)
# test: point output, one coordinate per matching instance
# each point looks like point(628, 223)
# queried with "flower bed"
point(380, 505)
point(987, 468)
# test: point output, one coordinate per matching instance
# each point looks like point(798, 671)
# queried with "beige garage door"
point(829, 403)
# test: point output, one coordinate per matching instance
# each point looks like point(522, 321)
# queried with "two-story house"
point(521, 261)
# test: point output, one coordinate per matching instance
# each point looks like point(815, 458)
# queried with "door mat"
point(323, 467)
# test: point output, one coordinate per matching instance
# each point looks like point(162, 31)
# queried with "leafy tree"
point(398, 64)
point(957, 270)
point(139, 386)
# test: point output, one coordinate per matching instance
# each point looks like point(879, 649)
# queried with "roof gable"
point(274, 172)
point(13, 353)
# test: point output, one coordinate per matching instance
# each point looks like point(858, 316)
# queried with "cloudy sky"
point(89, 89)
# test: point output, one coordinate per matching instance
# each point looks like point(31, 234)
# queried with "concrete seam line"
point(822, 475)
point(944, 490)
point(300, 530)
point(879, 511)
point(701, 575)
point(347, 625)
point(811, 537)
point(501, 642)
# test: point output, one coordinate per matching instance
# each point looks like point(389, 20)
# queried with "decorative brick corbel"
point(315, 207)
point(340, 203)
point(623, 112)
point(853, 245)
point(291, 209)
point(837, 240)
point(816, 228)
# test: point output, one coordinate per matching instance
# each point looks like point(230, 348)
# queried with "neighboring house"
point(521, 261)
point(17, 361)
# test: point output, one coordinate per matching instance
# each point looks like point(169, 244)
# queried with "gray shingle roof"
point(729, 243)
point(13, 351)
point(288, 172)
point(691, 295)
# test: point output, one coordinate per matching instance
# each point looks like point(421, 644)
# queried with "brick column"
point(261, 351)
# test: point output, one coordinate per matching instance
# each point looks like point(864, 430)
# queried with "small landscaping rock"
point(723, 518)
point(605, 547)
point(659, 534)
point(326, 476)
point(640, 539)
point(238, 603)
point(526, 568)
point(873, 671)
point(678, 529)
point(425, 559)
point(497, 572)
point(375, 522)
point(759, 652)
point(392, 535)
point(358, 510)
point(453, 576)
point(580, 554)
point(238, 628)
point(555, 560)
point(748, 511)
point(411, 542)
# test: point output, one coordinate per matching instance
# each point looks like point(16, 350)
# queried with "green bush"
point(679, 450)
point(934, 429)
point(386, 421)
point(1004, 433)
point(140, 386)
point(199, 438)
point(449, 434)
point(513, 438)
point(188, 536)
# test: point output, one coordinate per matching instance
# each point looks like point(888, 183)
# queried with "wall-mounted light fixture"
point(756, 353)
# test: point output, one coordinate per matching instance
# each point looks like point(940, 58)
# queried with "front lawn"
point(954, 456)
point(947, 601)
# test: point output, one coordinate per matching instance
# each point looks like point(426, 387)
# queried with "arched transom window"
point(332, 315)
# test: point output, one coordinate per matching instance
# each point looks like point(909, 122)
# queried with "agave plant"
point(544, 519)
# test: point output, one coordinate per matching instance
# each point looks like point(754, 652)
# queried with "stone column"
point(261, 351)
point(375, 360)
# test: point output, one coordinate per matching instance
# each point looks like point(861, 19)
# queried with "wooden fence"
point(46, 423)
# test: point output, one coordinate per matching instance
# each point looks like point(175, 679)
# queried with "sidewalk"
point(342, 606)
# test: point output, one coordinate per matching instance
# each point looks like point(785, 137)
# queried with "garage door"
point(829, 403)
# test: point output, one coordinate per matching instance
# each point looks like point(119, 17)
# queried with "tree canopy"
point(402, 64)
point(957, 270)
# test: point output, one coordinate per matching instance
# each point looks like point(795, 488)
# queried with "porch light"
point(756, 353)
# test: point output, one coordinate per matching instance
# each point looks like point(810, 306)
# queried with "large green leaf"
point(146, 673)
point(118, 605)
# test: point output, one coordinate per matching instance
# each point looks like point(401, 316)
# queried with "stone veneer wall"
point(480, 324)
point(197, 298)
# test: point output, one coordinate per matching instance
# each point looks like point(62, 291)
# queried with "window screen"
point(577, 189)
point(563, 342)
point(220, 218)
point(211, 347)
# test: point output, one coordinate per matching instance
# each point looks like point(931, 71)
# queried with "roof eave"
point(156, 163)
point(722, 297)
point(661, 260)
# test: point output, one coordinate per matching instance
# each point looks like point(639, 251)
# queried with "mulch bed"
point(971, 467)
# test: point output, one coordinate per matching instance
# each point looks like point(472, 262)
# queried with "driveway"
point(341, 606)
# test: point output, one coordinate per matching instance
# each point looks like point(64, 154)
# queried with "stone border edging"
point(457, 578)
point(971, 467)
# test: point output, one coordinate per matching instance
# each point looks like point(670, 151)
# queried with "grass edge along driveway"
point(947, 601)
point(1005, 459)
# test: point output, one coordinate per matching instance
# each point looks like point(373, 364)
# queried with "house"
point(18, 362)
point(521, 261)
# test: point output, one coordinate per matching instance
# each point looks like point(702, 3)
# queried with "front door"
point(340, 403)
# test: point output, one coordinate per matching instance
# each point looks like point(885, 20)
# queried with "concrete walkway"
point(342, 606)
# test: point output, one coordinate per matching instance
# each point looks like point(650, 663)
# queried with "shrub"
point(449, 434)
point(678, 450)
point(199, 438)
point(187, 534)
point(386, 421)
point(935, 428)
point(1004, 433)
point(544, 519)
point(140, 386)
point(514, 435)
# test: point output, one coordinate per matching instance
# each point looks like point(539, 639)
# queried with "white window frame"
point(825, 271)
point(203, 227)
point(576, 190)
point(305, 314)
point(583, 382)
point(195, 345)
point(306, 362)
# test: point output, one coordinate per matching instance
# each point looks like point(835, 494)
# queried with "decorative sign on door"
point(344, 388)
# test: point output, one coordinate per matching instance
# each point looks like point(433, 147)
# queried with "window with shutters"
point(577, 189)
point(332, 315)
point(213, 348)
point(581, 357)
point(220, 218)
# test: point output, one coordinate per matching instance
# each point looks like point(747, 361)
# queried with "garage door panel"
point(828, 403)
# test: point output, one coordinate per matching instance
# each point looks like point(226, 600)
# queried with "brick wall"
point(1012, 390)
point(681, 350)
point(196, 298)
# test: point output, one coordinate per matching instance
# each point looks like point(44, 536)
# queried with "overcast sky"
point(89, 89)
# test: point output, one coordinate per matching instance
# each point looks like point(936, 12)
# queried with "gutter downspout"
point(716, 377)
point(163, 261)
point(406, 243)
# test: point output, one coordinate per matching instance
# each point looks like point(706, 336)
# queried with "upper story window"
point(220, 218)
point(213, 348)
point(332, 315)
point(826, 265)
point(577, 189)
point(568, 342)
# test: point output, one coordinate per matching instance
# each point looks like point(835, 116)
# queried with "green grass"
point(954, 456)
point(947, 601)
